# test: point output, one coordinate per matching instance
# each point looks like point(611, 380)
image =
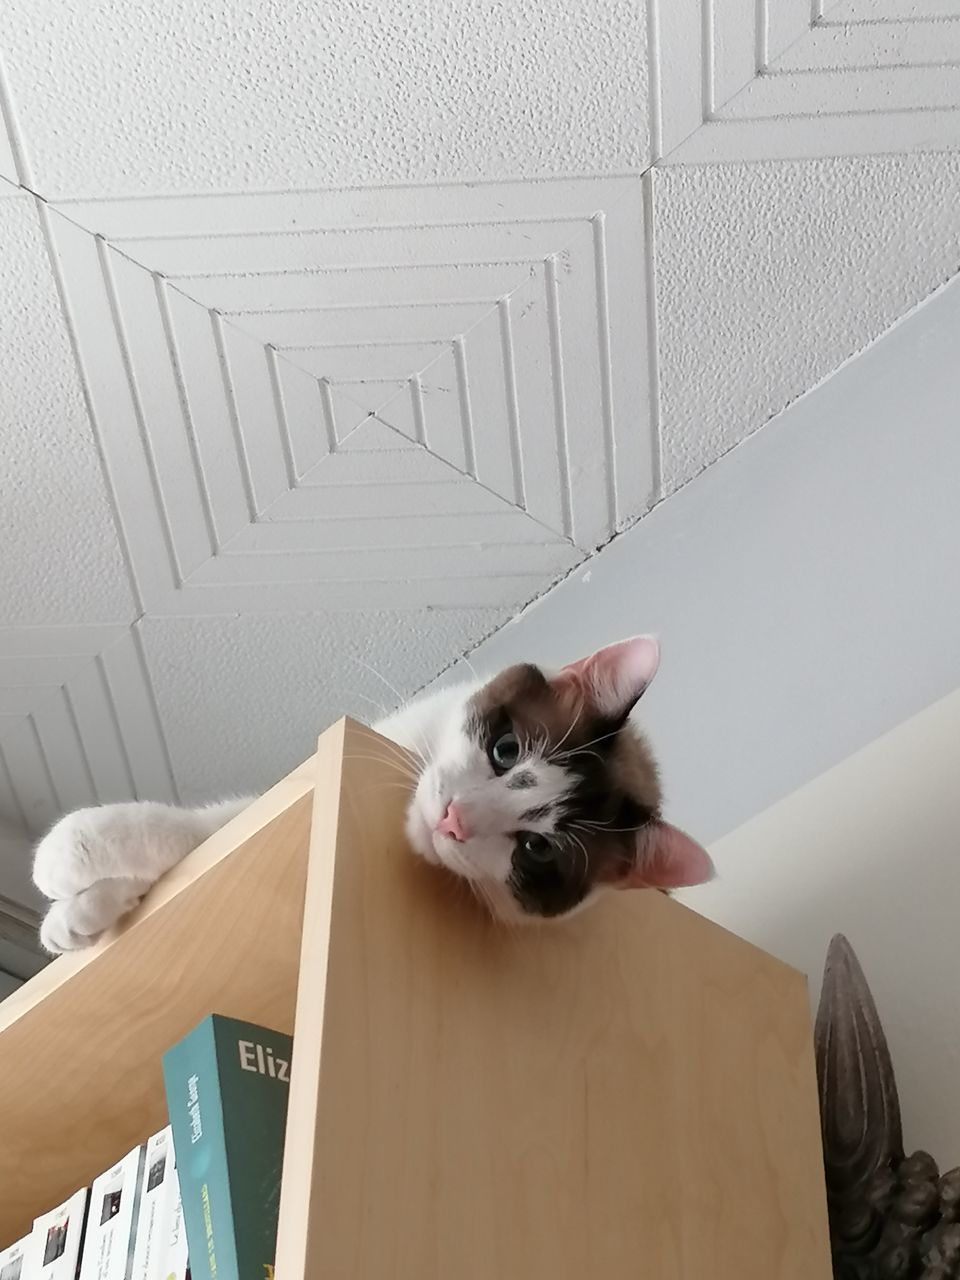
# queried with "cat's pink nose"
point(451, 824)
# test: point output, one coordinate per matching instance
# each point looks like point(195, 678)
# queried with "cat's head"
point(541, 793)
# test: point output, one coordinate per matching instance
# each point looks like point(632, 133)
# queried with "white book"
point(12, 1264)
point(156, 1208)
point(112, 1224)
point(177, 1264)
point(56, 1241)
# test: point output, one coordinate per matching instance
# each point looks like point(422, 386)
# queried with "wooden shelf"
point(629, 1093)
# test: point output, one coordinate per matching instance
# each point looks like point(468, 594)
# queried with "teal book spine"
point(227, 1086)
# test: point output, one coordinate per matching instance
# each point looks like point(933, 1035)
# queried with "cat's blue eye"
point(505, 752)
point(535, 847)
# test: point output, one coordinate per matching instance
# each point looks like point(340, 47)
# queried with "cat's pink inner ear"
point(613, 678)
point(667, 858)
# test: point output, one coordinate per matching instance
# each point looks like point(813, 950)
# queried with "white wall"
point(870, 849)
point(804, 587)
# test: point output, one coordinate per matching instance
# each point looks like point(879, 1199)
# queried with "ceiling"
point(333, 335)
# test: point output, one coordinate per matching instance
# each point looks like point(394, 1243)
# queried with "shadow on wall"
point(869, 849)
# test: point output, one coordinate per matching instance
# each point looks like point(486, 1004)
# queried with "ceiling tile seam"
point(43, 214)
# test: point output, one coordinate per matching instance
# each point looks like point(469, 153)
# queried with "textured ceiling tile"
point(783, 79)
point(60, 558)
point(244, 699)
point(215, 420)
point(78, 724)
point(191, 96)
point(769, 276)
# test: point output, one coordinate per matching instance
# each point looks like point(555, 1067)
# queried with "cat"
point(534, 786)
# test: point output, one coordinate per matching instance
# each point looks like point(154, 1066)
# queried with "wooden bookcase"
point(628, 1094)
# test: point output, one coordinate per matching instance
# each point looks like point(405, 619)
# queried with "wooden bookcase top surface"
point(628, 1093)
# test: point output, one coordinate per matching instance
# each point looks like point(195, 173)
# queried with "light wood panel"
point(630, 1093)
point(81, 1043)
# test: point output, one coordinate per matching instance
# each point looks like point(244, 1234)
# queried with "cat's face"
point(541, 794)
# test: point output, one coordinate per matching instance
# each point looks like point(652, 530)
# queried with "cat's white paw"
point(78, 921)
point(66, 859)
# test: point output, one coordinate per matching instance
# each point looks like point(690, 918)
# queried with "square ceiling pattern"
point(333, 336)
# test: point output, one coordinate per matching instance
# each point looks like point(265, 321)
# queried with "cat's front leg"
point(97, 863)
point(76, 922)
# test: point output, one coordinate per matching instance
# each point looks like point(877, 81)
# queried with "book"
point(112, 1220)
point(161, 1248)
point(150, 1247)
point(56, 1241)
point(227, 1086)
point(12, 1261)
point(176, 1261)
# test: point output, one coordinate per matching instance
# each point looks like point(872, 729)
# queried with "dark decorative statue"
point(892, 1217)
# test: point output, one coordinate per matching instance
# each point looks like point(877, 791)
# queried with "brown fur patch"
point(614, 783)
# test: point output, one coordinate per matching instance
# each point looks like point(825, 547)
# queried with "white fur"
point(96, 864)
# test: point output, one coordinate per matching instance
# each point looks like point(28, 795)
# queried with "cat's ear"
point(667, 858)
point(613, 678)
